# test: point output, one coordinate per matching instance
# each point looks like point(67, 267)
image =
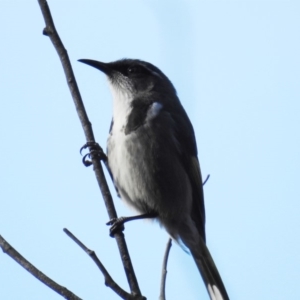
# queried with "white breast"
point(121, 106)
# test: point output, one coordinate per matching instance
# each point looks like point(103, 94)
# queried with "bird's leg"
point(117, 224)
point(95, 151)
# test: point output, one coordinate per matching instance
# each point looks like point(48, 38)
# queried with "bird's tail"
point(187, 232)
point(209, 272)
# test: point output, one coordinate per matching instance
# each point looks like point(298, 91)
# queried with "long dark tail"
point(190, 236)
point(209, 272)
point(184, 230)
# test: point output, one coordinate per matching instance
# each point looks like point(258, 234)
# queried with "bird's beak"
point(104, 67)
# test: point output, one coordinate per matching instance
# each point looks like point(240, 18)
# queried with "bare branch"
point(87, 127)
point(108, 279)
point(162, 295)
point(10, 251)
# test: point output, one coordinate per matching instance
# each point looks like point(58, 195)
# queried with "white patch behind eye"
point(153, 110)
point(214, 293)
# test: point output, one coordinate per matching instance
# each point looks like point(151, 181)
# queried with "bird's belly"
point(129, 162)
point(148, 176)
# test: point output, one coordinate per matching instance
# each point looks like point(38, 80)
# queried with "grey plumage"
point(152, 156)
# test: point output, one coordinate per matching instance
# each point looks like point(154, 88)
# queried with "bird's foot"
point(117, 224)
point(95, 152)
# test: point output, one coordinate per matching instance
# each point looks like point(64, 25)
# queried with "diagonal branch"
point(10, 251)
point(87, 128)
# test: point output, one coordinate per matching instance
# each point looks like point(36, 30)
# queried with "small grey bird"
point(152, 157)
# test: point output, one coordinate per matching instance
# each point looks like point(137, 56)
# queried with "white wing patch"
point(214, 293)
point(153, 111)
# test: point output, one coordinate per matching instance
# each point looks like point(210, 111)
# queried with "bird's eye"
point(133, 70)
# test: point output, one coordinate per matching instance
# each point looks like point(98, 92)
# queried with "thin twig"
point(206, 179)
point(162, 295)
point(87, 128)
point(108, 279)
point(10, 251)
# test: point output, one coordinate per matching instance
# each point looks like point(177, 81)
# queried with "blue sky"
point(236, 68)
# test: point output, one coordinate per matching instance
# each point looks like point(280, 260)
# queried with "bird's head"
point(134, 77)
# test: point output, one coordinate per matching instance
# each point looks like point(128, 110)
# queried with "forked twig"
point(108, 279)
point(14, 254)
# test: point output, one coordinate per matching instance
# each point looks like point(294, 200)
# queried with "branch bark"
point(10, 251)
point(162, 295)
point(51, 32)
point(108, 279)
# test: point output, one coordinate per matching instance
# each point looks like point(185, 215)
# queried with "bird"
point(152, 157)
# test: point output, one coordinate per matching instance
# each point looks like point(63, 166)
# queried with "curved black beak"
point(104, 67)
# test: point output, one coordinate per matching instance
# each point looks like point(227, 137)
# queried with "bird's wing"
point(188, 150)
point(188, 153)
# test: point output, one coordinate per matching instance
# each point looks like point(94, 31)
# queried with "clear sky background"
point(236, 67)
